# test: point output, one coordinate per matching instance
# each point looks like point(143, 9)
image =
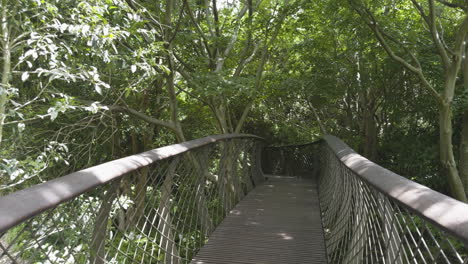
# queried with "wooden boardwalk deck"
point(278, 222)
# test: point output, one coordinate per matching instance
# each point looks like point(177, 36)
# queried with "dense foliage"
point(88, 81)
point(83, 82)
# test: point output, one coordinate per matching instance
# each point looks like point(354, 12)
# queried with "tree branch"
point(421, 12)
point(317, 117)
point(435, 35)
point(460, 37)
point(222, 58)
point(198, 28)
point(417, 70)
point(413, 57)
point(133, 112)
point(177, 27)
point(243, 117)
point(150, 18)
point(453, 5)
point(216, 18)
point(192, 95)
point(142, 116)
point(245, 61)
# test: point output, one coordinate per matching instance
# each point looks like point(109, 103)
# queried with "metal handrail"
point(441, 210)
point(373, 215)
point(19, 206)
point(296, 145)
point(157, 206)
point(369, 214)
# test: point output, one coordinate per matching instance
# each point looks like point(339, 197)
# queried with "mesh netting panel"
point(362, 225)
point(162, 213)
point(297, 160)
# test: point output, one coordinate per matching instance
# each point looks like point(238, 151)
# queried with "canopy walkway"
point(230, 199)
point(278, 222)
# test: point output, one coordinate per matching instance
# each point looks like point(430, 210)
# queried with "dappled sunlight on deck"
point(282, 227)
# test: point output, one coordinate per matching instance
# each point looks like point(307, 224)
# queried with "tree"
point(450, 59)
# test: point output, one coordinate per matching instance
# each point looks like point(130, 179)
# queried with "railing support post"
point(392, 241)
point(98, 240)
point(257, 175)
point(202, 174)
point(167, 239)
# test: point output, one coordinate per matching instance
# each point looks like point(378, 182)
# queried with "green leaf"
point(24, 76)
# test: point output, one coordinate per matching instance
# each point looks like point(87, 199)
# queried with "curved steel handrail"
point(297, 145)
point(443, 211)
point(22, 205)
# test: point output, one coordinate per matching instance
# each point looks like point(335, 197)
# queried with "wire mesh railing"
point(156, 207)
point(293, 160)
point(372, 215)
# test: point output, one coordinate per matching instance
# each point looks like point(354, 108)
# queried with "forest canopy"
point(83, 82)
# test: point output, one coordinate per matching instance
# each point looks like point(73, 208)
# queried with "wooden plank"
point(278, 222)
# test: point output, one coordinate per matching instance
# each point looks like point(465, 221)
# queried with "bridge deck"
point(278, 222)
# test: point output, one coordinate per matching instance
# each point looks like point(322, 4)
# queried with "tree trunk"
point(167, 239)
point(464, 151)
point(257, 173)
point(227, 178)
point(370, 134)
point(220, 113)
point(6, 67)
point(202, 209)
point(447, 158)
point(136, 212)
point(245, 185)
point(451, 65)
point(463, 162)
point(203, 213)
point(317, 118)
point(98, 241)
